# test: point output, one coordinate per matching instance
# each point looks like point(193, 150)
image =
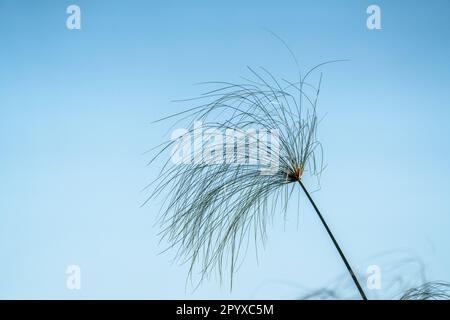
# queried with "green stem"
point(352, 274)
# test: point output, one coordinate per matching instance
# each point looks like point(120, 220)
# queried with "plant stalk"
point(349, 269)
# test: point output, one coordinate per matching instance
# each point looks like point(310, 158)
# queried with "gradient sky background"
point(76, 108)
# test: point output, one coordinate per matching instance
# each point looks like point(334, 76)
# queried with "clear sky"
point(76, 108)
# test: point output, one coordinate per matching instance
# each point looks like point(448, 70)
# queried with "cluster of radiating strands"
point(211, 212)
point(435, 290)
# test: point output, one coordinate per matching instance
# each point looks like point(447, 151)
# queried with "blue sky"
point(76, 112)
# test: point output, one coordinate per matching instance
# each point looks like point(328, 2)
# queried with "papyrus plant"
point(212, 211)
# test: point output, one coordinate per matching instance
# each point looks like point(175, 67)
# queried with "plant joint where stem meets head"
point(295, 173)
